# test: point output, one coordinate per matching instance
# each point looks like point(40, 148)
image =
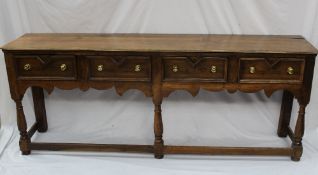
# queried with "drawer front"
point(210, 69)
point(44, 67)
point(120, 68)
point(275, 70)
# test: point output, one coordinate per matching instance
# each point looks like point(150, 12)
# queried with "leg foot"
point(295, 159)
point(297, 152)
point(26, 152)
point(158, 156)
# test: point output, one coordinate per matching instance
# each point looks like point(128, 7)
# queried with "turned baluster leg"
point(299, 132)
point(285, 113)
point(24, 141)
point(158, 129)
point(157, 100)
point(39, 108)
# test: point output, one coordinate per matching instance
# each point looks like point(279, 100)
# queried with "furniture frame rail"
point(167, 149)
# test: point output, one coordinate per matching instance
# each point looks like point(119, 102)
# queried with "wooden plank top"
point(162, 43)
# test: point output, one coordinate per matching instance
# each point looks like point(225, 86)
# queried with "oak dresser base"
point(158, 65)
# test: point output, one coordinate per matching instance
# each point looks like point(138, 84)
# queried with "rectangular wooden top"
point(162, 43)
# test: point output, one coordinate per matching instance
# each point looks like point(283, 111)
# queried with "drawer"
point(120, 68)
point(210, 69)
point(274, 70)
point(46, 67)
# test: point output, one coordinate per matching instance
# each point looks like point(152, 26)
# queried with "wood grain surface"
point(163, 43)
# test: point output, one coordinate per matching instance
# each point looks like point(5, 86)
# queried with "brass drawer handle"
point(137, 68)
point(27, 67)
point(175, 68)
point(63, 67)
point(290, 70)
point(213, 69)
point(100, 67)
point(252, 70)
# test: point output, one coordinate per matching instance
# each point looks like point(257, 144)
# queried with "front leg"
point(158, 129)
point(39, 108)
point(299, 132)
point(24, 141)
point(157, 100)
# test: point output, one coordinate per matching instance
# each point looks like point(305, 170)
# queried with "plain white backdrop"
point(211, 118)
